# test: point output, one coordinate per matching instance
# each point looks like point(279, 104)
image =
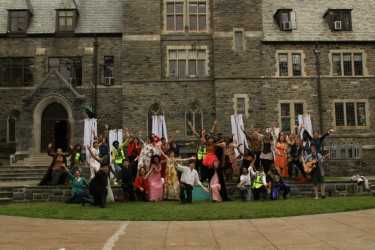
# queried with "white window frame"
point(290, 63)
point(243, 40)
point(292, 111)
point(193, 112)
point(235, 103)
point(187, 48)
point(186, 16)
point(352, 52)
point(355, 101)
point(337, 148)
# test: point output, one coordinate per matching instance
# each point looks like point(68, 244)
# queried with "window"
point(238, 43)
point(186, 62)
point(11, 129)
point(193, 116)
point(107, 74)
point(16, 71)
point(66, 20)
point(69, 68)
point(241, 104)
point(286, 19)
point(345, 151)
point(347, 63)
point(289, 112)
point(339, 20)
point(18, 21)
point(351, 114)
point(289, 64)
point(186, 14)
point(197, 16)
point(3, 130)
point(175, 15)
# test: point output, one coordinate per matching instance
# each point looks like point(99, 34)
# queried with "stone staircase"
point(35, 160)
point(29, 169)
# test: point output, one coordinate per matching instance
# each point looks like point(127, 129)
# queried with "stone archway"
point(47, 124)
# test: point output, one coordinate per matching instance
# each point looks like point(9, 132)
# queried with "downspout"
point(95, 76)
point(318, 85)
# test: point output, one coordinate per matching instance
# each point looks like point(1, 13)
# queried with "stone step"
point(20, 178)
point(5, 200)
point(20, 174)
point(6, 194)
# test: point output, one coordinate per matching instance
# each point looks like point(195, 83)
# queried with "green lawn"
point(197, 211)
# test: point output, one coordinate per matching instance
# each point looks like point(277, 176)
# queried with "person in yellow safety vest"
point(118, 156)
point(76, 158)
point(259, 185)
point(201, 152)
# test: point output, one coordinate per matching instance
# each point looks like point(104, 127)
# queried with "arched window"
point(193, 116)
point(11, 129)
point(154, 109)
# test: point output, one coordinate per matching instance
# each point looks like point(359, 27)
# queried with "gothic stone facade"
point(199, 61)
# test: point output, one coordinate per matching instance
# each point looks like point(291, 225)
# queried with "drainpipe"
point(318, 85)
point(95, 75)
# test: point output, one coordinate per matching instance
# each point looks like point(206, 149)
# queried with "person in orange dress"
point(281, 155)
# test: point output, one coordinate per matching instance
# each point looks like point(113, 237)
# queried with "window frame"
point(332, 15)
point(353, 53)
point(290, 54)
point(11, 64)
point(186, 16)
point(335, 151)
point(103, 77)
point(292, 19)
point(28, 19)
point(187, 48)
point(247, 104)
point(193, 111)
point(356, 102)
point(243, 40)
point(79, 83)
point(74, 21)
point(292, 113)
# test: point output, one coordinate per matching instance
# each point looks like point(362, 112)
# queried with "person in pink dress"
point(155, 182)
point(215, 185)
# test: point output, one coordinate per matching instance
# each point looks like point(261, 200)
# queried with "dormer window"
point(286, 19)
point(18, 21)
point(66, 21)
point(339, 20)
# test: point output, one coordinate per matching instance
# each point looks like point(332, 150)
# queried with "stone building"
point(191, 60)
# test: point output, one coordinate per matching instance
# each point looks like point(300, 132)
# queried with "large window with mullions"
point(69, 67)
point(186, 15)
point(16, 71)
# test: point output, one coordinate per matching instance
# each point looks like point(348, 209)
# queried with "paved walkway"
point(353, 230)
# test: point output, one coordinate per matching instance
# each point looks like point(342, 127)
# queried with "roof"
point(95, 16)
point(311, 24)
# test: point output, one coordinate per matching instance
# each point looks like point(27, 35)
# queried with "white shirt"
point(189, 176)
point(245, 180)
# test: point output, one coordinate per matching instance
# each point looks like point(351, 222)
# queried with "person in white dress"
point(93, 161)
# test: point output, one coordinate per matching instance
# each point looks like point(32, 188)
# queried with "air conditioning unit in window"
point(108, 81)
point(287, 26)
point(338, 25)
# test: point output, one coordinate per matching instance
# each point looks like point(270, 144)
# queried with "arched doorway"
point(55, 127)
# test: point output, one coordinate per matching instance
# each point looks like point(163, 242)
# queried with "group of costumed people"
point(153, 170)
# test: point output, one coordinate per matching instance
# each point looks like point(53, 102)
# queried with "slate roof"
point(311, 25)
point(95, 16)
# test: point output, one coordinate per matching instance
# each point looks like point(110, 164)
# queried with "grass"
point(173, 211)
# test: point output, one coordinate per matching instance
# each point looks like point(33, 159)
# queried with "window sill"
point(17, 34)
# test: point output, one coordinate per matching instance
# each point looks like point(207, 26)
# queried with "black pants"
point(259, 193)
point(266, 164)
point(78, 198)
point(129, 193)
point(141, 196)
point(244, 192)
point(206, 173)
point(186, 193)
point(295, 167)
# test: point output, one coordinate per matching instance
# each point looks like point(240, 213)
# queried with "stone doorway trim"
point(37, 119)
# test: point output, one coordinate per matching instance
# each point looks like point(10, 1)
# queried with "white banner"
point(239, 136)
point(89, 134)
